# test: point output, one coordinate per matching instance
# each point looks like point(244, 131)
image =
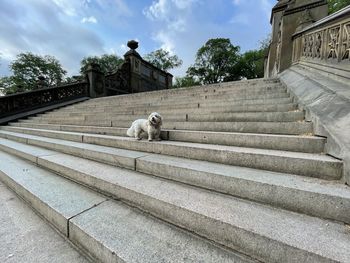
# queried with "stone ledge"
point(327, 104)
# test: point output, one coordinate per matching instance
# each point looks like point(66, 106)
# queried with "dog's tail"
point(130, 132)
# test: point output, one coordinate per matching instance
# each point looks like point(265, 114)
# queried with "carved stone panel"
point(345, 52)
point(333, 42)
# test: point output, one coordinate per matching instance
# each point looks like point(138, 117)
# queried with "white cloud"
point(90, 19)
point(178, 25)
point(172, 17)
point(166, 41)
point(157, 11)
point(66, 6)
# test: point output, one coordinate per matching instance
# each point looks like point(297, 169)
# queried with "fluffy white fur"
point(151, 127)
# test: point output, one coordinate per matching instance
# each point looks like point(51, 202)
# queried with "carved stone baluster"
point(346, 42)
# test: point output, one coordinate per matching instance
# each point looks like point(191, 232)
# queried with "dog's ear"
point(160, 119)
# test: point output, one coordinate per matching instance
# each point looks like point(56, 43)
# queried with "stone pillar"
point(135, 60)
point(96, 80)
point(287, 17)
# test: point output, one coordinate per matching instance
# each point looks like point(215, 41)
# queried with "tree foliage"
point(163, 60)
point(335, 5)
point(251, 63)
point(214, 61)
point(27, 68)
point(107, 62)
point(187, 81)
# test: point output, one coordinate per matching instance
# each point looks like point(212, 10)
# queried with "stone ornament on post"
point(144, 75)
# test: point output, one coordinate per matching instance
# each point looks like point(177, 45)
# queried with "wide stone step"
point(199, 90)
point(290, 128)
point(309, 144)
point(107, 230)
point(165, 110)
point(180, 105)
point(222, 96)
point(245, 226)
point(186, 100)
point(191, 117)
point(311, 196)
point(105, 148)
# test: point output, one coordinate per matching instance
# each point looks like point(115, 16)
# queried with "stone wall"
point(288, 17)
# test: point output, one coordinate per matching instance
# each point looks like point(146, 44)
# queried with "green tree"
point(335, 5)
point(107, 62)
point(27, 68)
point(251, 63)
point(214, 61)
point(163, 60)
point(187, 81)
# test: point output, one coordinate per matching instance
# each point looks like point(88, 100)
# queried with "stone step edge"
point(155, 207)
point(313, 165)
point(272, 128)
point(288, 107)
point(205, 88)
point(328, 200)
point(203, 137)
point(195, 104)
point(73, 230)
point(320, 166)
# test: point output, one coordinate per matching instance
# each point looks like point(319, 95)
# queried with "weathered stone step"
point(309, 144)
point(185, 100)
point(191, 117)
point(214, 88)
point(26, 237)
point(311, 196)
point(248, 227)
point(180, 105)
point(165, 110)
point(228, 95)
point(109, 231)
point(289, 128)
point(105, 148)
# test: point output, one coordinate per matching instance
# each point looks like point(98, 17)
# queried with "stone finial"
point(132, 44)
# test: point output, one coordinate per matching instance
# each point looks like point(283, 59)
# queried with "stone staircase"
point(238, 177)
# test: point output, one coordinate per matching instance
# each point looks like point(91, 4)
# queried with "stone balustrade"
point(325, 45)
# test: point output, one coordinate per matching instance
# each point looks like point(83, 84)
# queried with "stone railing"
point(325, 45)
point(30, 100)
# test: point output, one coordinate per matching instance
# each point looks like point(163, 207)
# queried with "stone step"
point(109, 149)
point(180, 105)
point(185, 100)
point(106, 230)
point(26, 237)
point(165, 110)
point(228, 95)
point(292, 116)
point(208, 89)
point(288, 128)
point(238, 224)
point(309, 144)
point(329, 200)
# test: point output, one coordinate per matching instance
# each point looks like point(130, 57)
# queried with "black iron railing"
point(30, 100)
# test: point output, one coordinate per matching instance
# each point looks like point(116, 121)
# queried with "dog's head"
point(155, 119)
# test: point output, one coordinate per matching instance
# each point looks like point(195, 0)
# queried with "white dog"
point(151, 126)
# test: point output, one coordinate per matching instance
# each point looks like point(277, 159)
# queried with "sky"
point(70, 30)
